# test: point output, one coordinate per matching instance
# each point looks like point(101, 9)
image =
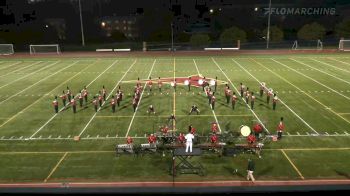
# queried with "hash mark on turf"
point(97, 136)
point(59, 136)
point(11, 137)
point(2, 137)
point(326, 133)
point(298, 133)
point(336, 133)
point(21, 137)
point(87, 136)
point(68, 136)
point(49, 136)
point(288, 133)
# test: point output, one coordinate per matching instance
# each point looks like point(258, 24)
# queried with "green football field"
point(37, 145)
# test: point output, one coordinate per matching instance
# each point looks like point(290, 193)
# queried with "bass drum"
point(245, 130)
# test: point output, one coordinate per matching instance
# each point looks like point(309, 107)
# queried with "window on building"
point(124, 28)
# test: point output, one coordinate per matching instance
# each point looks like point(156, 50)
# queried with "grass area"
point(313, 92)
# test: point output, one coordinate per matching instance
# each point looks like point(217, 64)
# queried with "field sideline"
point(36, 145)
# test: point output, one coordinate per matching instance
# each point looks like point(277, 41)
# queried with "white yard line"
point(47, 122)
point(216, 119)
point(46, 94)
point(13, 81)
point(339, 61)
point(348, 98)
point(320, 71)
point(18, 62)
point(19, 69)
point(239, 96)
point(143, 90)
point(37, 82)
point(330, 110)
point(82, 131)
point(307, 124)
point(330, 65)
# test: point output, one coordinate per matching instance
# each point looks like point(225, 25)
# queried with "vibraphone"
point(124, 148)
point(149, 147)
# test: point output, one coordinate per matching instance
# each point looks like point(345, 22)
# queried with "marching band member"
point(214, 139)
point(194, 108)
point(149, 83)
point(74, 104)
point(159, 85)
point(129, 141)
point(252, 100)
point(80, 99)
point(262, 88)
point(247, 95)
point(85, 94)
point(233, 100)
point(69, 94)
point(280, 129)
point(152, 140)
point(113, 103)
point(55, 104)
point(94, 102)
point(189, 84)
point(274, 101)
point(228, 94)
point(64, 98)
point(212, 101)
point(257, 129)
point(251, 139)
point(181, 138)
point(241, 87)
point(104, 92)
point(151, 110)
point(214, 127)
point(268, 95)
point(100, 98)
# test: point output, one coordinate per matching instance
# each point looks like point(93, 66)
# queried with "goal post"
point(307, 45)
point(344, 45)
point(6, 49)
point(44, 49)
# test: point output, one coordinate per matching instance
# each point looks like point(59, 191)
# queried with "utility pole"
point(81, 25)
point(268, 27)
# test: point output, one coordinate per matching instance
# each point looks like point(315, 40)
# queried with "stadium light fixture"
point(47, 26)
point(268, 27)
point(211, 11)
point(103, 24)
point(81, 25)
point(256, 9)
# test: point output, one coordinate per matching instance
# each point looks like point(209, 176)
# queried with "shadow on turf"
point(266, 170)
point(233, 171)
point(341, 173)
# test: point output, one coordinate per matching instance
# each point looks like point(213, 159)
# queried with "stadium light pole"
point(268, 27)
point(81, 25)
point(172, 37)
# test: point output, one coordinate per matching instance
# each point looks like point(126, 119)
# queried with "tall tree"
point(233, 34)
point(343, 29)
point(200, 40)
point(311, 31)
point(276, 34)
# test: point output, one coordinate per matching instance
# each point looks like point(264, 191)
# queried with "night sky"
point(59, 19)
